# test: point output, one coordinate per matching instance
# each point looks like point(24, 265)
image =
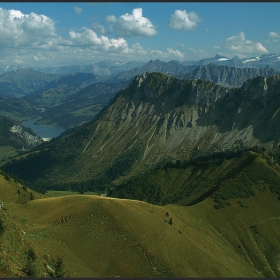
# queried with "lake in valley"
point(44, 131)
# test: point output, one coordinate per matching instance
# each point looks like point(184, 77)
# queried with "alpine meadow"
point(162, 168)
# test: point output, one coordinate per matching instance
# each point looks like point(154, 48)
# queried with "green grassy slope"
point(109, 237)
point(106, 237)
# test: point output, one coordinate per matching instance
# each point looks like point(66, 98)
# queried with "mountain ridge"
point(158, 117)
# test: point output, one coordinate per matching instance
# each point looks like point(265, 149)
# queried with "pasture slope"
point(108, 237)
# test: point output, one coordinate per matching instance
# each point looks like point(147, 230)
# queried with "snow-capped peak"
point(251, 59)
point(222, 59)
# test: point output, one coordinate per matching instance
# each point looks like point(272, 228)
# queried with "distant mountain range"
point(18, 81)
point(220, 74)
point(271, 60)
point(24, 81)
point(228, 76)
point(110, 68)
point(102, 68)
point(71, 99)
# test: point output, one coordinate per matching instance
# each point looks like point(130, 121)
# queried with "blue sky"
point(66, 33)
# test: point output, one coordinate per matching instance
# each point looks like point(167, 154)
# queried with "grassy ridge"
point(106, 237)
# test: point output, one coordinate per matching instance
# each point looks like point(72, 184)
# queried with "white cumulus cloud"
point(137, 49)
point(99, 27)
point(86, 38)
point(132, 25)
point(241, 45)
point(90, 39)
point(199, 53)
point(183, 20)
point(175, 53)
point(112, 18)
point(32, 39)
point(78, 10)
point(23, 30)
point(169, 54)
point(273, 35)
